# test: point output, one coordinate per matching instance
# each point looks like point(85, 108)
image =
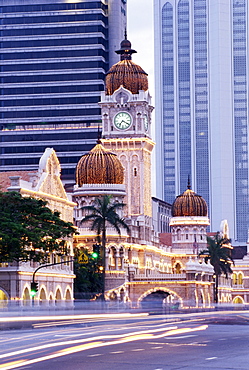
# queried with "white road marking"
point(222, 339)
point(97, 354)
point(138, 349)
point(211, 358)
point(154, 343)
point(156, 347)
point(183, 336)
point(70, 335)
point(117, 352)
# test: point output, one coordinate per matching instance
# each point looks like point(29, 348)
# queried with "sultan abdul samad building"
point(140, 266)
point(144, 264)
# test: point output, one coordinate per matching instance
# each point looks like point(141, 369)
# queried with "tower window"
point(135, 171)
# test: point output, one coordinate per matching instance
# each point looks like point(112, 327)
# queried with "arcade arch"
point(238, 300)
point(161, 296)
point(43, 296)
point(4, 298)
point(68, 295)
point(26, 297)
point(58, 296)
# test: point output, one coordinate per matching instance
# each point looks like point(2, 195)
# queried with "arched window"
point(240, 278)
point(235, 278)
point(186, 233)
point(178, 268)
point(178, 234)
point(112, 257)
point(135, 172)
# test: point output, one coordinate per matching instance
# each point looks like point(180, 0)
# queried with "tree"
point(104, 212)
point(88, 280)
point(218, 252)
point(29, 230)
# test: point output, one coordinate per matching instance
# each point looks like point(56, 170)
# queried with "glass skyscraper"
point(202, 63)
point(54, 56)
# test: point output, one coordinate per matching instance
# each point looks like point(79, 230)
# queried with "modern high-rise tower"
point(54, 57)
point(202, 87)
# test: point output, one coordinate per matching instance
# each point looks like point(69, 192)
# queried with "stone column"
point(122, 262)
point(116, 257)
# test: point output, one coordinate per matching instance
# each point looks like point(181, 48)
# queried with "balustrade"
point(159, 276)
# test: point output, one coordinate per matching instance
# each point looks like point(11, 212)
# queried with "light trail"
point(96, 344)
point(69, 342)
point(73, 317)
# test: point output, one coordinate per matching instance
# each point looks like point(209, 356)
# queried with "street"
point(214, 341)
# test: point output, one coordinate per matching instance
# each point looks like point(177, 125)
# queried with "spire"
point(189, 184)
point(99, 136)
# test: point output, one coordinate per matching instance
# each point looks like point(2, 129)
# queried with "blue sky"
point(140, 33)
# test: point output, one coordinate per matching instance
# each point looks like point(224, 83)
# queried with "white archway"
point(238, 300)
point(173, 297)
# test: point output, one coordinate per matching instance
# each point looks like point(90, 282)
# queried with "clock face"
point(122, 120)
point(146, 122)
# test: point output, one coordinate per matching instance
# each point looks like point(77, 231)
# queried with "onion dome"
point(189, 204)
point(99, 166)
point(126, 73)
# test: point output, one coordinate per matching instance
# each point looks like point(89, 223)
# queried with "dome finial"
point(99, 136)
point(125, 50)
point(189, 184)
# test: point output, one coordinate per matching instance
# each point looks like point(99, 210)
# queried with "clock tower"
point(126, 131)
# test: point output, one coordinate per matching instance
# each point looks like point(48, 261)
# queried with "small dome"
point(125, 44)
point(127, 74)
point(99, 167)
point(189, 204)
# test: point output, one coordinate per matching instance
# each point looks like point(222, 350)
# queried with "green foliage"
point(99, 215)
point(104, 212)
point(219, 254)
point(29, 230)
point(89, 276)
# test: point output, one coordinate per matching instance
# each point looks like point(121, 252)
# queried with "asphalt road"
point(145, 343)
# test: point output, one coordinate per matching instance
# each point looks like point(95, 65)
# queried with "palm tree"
point(104, 212)
point(218, 252)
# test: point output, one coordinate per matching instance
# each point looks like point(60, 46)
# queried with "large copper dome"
point(99, 167)
point(125, 72)
point(128, 74)
point(189, 204)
